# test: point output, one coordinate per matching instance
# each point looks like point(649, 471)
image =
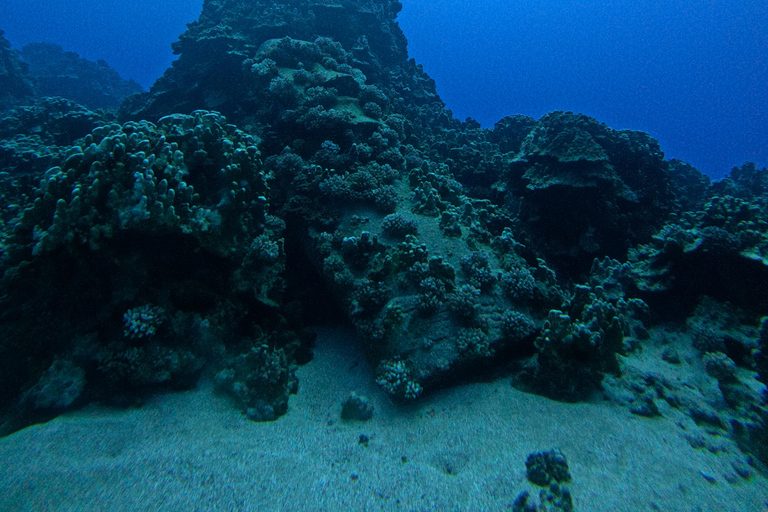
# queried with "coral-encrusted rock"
point(437, 238)
point(16, 86)
point(692, 188)
point(745, 182)
point(510, 132)
point(195, 175)
point(36, 137)
point(586, 190)
point(230, 32)
point(719, 250)
point(261, 381)
point(66, 74)
point(52, 121)
point(554, 499)
point(332, 106)
point(148, 251)
point(576, 350)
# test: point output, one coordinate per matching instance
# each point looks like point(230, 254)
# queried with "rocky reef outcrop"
point(94, 85)
point(42, 70)
point(230, 35)
point(294, 157)
point(146, 252)
point(15, 83)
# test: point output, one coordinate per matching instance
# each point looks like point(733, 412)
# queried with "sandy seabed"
point(462, 449)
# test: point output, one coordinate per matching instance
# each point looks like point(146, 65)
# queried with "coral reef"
point(42, 70)
point(148, 251)
point(16, 86)
point(38, 137)
point(585, 190)
point(94, 85)
point(294, 160)
point(717, 250)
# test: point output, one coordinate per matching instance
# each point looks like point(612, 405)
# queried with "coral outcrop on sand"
point(292, 158)
point(147, 251)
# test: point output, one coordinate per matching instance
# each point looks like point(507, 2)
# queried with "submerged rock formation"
point(148, 250)
point(15, 84)
point(43, 70)
point(215, 68)
point(65, 74)
point(332, 172)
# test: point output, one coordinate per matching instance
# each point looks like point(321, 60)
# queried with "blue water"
point(134, 37)
point(692, 74)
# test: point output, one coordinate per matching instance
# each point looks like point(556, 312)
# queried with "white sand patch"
point(459, 449)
